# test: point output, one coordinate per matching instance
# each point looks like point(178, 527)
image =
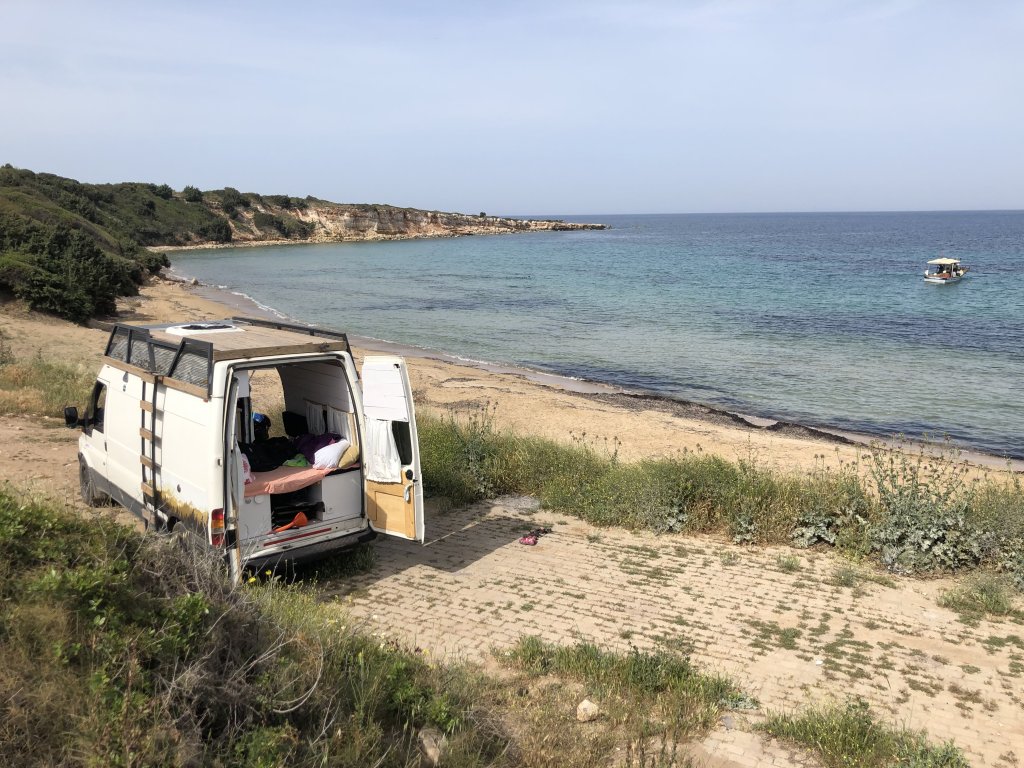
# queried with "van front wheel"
point(87, 485)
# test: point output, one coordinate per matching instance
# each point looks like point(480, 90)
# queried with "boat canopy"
point(944, 262)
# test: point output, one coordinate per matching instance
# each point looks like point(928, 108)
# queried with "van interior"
point(297, 450)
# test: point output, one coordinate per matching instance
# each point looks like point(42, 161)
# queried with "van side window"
point(403, 440)
point(96, 404)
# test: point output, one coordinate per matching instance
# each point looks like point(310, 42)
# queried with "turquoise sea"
point(818, 319)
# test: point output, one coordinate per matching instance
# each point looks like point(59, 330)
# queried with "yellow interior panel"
point(387, 509)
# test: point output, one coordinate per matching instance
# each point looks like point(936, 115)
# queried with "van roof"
point(186, 351)
point(240, 337)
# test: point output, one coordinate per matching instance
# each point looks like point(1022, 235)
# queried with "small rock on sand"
point(587, 711)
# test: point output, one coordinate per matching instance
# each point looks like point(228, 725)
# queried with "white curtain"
point(383, 464)
point(315, 418)
point(337, 422)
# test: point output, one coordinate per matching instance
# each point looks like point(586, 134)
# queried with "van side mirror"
point(71, 417)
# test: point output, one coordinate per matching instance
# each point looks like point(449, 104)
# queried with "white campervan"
point(169, 431)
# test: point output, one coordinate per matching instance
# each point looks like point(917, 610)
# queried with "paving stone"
point(473, 588)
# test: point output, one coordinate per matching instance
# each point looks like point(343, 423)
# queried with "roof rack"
point(189, 360)
point(310, 330)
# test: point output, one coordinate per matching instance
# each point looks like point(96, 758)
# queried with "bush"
point(63, 251)
point(266, 222)
point(192, 194)
point(982, 594)
point(60, 270)
point(219, 231)
point(163, 191)
point(285, 225)
point(925, 505)
point(231, 197)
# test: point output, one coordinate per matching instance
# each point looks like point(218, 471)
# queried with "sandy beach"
point(561, 409)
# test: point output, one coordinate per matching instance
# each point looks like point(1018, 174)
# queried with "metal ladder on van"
point(147, 449)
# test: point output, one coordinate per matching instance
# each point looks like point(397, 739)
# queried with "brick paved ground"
point(789, 632)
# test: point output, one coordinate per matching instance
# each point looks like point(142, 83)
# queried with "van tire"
point(87, 485)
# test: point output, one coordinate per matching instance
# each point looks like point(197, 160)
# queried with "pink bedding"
point(284, 480)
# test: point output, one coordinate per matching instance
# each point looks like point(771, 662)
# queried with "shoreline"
point(619, 397)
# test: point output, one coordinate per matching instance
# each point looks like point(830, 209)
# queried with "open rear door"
point(394, 490)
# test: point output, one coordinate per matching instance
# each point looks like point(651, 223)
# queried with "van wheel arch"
point(87, 485)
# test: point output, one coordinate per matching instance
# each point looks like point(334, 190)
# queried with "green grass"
point(647, 694)
point(788, 563)
point(122, 649)
point(981, 595)
point(849, 736)
point(40, 387)
point(909, 512)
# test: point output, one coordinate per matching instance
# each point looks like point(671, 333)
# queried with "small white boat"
point(946, 271)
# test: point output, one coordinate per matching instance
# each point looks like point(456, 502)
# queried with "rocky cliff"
point(322, 221)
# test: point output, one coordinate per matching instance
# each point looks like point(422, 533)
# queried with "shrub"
point(192, 194)
point(925, 505)
point(229, 196)
point(219, 231)
point(835, 510)
point(46, 221)
point(285, 225)
point(267, 222)
point(60, 270)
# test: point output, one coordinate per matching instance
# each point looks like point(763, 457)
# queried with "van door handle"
point(408, 493)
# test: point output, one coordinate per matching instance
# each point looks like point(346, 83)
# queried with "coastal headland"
point(327, 222)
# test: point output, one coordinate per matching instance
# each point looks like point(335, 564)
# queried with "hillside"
point(71, 249)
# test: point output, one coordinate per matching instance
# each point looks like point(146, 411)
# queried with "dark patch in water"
point(620, 377)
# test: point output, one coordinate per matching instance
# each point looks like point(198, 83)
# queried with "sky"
point(552, 107)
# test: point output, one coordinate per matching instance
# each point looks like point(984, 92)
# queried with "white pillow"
point(329, 456)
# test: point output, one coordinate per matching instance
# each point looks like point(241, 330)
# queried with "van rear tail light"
point(217, 527)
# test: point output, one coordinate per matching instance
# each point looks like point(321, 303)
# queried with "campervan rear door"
point(391, 456)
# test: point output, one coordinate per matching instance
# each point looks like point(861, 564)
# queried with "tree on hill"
point(61, 270)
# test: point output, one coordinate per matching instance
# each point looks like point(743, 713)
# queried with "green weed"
point(848, 736)
point(657, 687)
point(913, 512)
point(788, 563)
point(980, 595)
